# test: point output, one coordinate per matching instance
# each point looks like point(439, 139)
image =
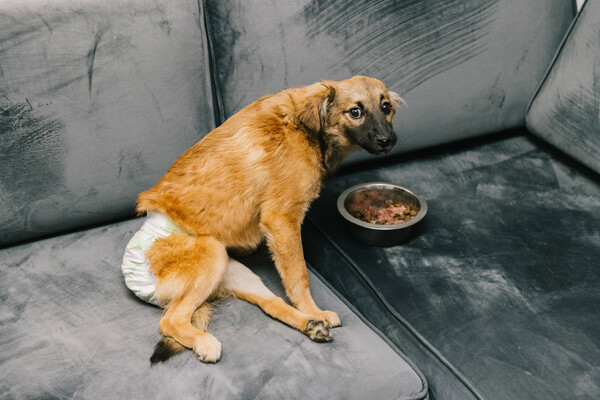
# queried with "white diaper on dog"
point(136, 266)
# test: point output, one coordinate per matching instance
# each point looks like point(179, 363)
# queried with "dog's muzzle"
point(381, 143)
point(385, 142)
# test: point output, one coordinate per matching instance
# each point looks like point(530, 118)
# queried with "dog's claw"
point(318, 331)
point(331, 319)
point(204, 360)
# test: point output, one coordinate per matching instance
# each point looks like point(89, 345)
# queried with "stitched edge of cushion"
point(554, 60)
point(218, 109)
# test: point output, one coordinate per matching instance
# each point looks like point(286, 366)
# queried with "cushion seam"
point(218, 109)
point(553, 61)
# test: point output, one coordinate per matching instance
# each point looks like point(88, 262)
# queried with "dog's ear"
point(314, 114)
point(396, 99)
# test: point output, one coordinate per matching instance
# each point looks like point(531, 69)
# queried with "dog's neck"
point(333, 152)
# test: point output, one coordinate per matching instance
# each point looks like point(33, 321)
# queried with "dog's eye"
point(386, 107)
point(355, 112)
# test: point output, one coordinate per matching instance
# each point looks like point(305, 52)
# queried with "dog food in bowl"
point(391, 214)
point(381, 214)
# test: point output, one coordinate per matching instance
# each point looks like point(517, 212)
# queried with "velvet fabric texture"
point(501, 275)
point(465, 68)
point(97, 100)
point(566, 110)
point(70, 328)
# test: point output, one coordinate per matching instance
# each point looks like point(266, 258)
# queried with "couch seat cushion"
point(71, 329)
point(502, 277)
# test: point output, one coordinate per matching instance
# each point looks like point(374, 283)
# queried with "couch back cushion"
point(566, 109)
point(464, 67)
point(97, 99)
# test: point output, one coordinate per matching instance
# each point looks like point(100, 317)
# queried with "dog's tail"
point(167, 347)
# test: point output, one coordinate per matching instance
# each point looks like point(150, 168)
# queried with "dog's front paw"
point(318, 331)
point(207, 348)
point(331, 319)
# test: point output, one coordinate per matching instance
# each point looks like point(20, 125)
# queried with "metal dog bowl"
point(375, 194)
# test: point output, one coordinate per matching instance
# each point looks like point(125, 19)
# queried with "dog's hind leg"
point(241, 282)
point(188, 270)
point(167, 347)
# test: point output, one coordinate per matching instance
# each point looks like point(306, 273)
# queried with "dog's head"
point(350, 114)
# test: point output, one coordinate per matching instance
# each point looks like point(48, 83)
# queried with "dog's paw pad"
point(318, 331)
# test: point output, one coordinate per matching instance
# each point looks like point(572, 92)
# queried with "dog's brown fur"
point(249, 179)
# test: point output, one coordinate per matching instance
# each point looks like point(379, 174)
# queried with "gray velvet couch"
point(495, 296)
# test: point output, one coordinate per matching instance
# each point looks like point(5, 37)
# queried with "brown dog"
point(251, 179)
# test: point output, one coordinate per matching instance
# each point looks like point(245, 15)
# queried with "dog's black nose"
point(384, 142)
